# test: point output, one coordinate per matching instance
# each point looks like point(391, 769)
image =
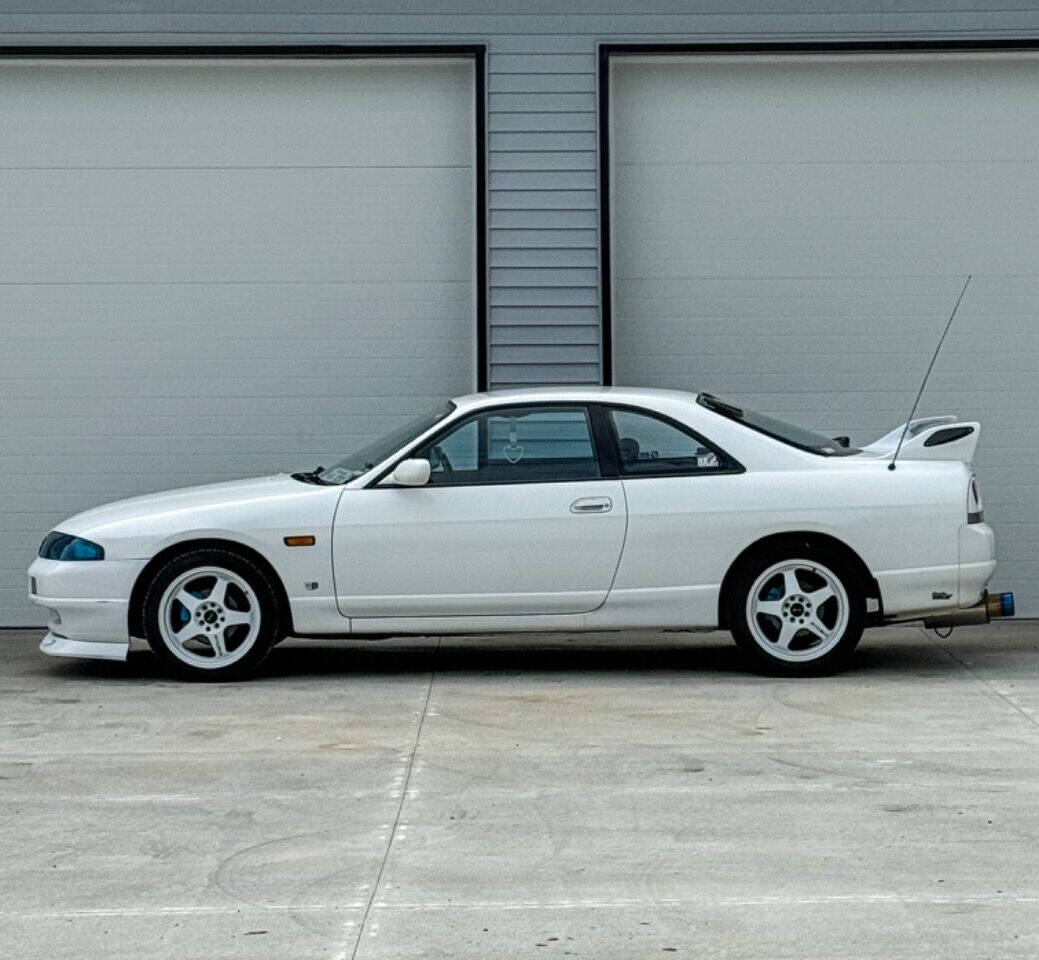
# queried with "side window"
point(649, 446)
point(457, 451)
point(515, 445)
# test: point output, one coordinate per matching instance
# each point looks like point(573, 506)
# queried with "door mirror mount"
point(410, 473)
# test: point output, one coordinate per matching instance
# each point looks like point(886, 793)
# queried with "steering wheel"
point(442, 461)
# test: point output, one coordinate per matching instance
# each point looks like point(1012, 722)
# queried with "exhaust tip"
point(1000, 604)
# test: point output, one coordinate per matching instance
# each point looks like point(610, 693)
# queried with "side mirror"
point(411, 473)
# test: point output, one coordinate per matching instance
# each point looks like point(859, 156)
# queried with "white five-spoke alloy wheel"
point(211, 614)
point(797, 610)
point(209, 617)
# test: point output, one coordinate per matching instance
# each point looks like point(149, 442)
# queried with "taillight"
point(975, 509)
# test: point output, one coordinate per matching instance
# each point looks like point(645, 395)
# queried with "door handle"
point(592, 505)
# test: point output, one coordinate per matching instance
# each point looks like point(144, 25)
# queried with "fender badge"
point(941, 595)
point(301, 541)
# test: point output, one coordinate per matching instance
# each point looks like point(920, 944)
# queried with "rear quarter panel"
point(684, 533)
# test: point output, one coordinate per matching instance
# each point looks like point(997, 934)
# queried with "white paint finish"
point(912, 440)
point(517, 557)
point(211, 269)
point(257, 514)
point(496, 550)
point(97, 620)
point(85, 600)
point(976, 552)
point(685, 532)
point(55, 646)
point(794, 231)
point(92, 581)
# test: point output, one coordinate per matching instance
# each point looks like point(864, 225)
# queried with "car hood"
point(242, 507)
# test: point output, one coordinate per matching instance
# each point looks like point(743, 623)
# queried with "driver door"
point(516, 519)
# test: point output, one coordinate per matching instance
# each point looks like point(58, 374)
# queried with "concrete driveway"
point(556, 798)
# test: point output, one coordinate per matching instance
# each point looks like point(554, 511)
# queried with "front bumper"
point(87, 601)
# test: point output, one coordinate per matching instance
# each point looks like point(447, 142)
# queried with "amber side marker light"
point(307, 541)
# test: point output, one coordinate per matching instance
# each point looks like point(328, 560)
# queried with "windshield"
point(777, 429)
point(354, 464)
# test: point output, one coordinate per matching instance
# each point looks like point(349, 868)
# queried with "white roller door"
point(216, 268)
point(794, 230)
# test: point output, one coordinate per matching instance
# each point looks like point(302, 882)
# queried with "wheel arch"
point(135, 613)
point(795, 539)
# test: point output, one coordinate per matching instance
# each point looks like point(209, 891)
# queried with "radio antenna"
point(920, 392)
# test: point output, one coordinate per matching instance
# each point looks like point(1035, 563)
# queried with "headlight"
point(64, 546)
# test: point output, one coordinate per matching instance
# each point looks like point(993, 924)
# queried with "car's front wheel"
point(209, 614)
point(797, 610)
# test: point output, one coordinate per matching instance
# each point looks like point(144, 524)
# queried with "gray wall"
point(544, 294)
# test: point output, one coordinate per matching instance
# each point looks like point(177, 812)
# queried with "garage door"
point(794, 231)
point(214, 269)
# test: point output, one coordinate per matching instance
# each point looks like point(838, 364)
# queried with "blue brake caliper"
point(184, 615)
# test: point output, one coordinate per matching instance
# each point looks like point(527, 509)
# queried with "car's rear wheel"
point(797, 610)
point(209, 614)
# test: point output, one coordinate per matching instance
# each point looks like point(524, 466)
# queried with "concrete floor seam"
point(363, 925)
point(988, 686)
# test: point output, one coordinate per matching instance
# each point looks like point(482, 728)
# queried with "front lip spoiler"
point(55, 645)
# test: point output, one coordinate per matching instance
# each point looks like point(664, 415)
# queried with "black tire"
point(267, 632)
point(763, 646)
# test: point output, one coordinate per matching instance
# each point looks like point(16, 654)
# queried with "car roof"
point(589, 394)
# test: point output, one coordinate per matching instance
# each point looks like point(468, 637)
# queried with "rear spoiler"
point(929, 438)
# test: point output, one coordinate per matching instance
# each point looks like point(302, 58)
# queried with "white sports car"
point(562, 509)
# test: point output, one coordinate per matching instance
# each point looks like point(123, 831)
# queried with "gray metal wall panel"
point(541, 86)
